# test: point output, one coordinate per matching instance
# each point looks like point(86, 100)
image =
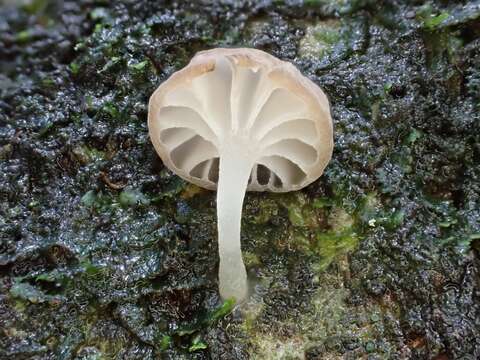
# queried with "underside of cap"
point(248, 100)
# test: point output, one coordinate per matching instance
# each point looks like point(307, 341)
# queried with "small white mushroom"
point(237, 120)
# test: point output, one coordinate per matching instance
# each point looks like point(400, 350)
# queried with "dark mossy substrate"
point(105, 254)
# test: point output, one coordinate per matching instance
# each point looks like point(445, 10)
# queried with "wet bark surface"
point(106, 254)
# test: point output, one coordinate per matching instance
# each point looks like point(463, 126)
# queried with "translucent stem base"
point(233, 178)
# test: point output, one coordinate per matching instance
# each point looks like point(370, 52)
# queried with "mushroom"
point(237, 120)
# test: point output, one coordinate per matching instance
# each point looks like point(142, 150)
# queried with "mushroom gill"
point(237, 120)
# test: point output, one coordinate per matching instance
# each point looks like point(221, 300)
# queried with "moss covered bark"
point(105, 254)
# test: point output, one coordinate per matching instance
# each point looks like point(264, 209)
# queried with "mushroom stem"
point(234, 172)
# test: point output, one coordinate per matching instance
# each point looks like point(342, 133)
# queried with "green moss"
point(319, 227)
point(320, 39)
point(110, 63)
point(206, 320)
point(222, 311)
point(89, 198)
point(110, 109)
point(447, 222)
point(295, 215)
point(139, 66)
point(48, 82)
point(443, 43)
point(90, 269)
point(271, 347)
point(327, 35)
point(436, 20)
point(54, 276)
point(24, 36)
point(250, 259)
point(266, 210)
point(103, 202)
point(197, 344)
point(165, 342)
point(74, 68)
point(387, 87)
point(414, 136)
point(394, 220)
point(98, 28)
point(332, 244)
point(6, 151)
point(430, 20)
point(330, 322)
point(35, 7)
point(320, 203)
point(132, 197)
point(340, 220)
point(86, 154)
point(301, 211)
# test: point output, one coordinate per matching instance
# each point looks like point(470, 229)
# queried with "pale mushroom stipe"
point(237, 120)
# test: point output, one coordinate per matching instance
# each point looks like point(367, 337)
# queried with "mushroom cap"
point(252, 101)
